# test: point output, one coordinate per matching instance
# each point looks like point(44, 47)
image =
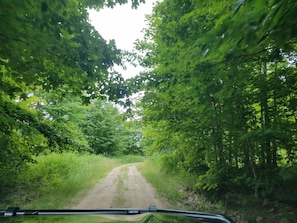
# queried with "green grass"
point(172, 186)
point(131, 159)
point(120, 185)
point(179, 188)
point(56, 180)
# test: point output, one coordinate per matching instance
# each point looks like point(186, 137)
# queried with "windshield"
point(151, 214)
point(79, 219)
point(180, 105)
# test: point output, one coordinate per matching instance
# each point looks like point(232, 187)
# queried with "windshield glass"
point(151, 218)
point(175, 104)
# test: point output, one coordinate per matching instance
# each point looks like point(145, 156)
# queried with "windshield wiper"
point(202, 216)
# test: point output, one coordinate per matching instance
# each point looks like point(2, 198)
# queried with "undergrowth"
point(173, 186)
point(179, 187)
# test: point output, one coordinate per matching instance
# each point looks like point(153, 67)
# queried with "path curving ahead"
point(123, 187)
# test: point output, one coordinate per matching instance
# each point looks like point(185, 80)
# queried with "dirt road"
point(123, 187)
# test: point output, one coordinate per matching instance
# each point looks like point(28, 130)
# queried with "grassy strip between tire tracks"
point(57, 180)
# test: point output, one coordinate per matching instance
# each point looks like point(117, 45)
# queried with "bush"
point(287, 191)
point(49, 171)
point(171, 163)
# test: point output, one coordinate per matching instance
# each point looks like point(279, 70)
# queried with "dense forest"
point(219, 90)
point(220, 93)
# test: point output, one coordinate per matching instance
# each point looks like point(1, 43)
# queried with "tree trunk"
point(265, 121)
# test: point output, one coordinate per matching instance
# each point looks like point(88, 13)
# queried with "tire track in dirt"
point(123, 187)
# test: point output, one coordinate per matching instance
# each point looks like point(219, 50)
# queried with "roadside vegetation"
point(180, 189)
point(220, 98)
point(56, 180)
point(58, 98)
point(62, 148)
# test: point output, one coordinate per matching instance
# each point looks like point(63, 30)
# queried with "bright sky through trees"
point(123, 24)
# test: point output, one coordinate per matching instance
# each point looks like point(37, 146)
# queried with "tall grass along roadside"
point(172, 186)
point(55, 179)
point(131, 159)
point(179, 188)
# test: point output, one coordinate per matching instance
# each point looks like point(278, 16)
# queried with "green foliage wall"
point(220, 99)
point(104, 129)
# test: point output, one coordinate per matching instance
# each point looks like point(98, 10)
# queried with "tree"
point(218, 101)
point(62, 119)
point(50, 46)
point(104, 129)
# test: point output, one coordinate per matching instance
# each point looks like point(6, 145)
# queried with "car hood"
point(141, 215)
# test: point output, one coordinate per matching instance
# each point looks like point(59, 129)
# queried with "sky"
point(124, 25)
